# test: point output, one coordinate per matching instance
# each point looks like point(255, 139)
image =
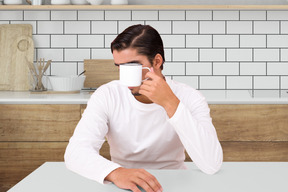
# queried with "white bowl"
point(95, 2)
point(13, 2)
point(67, 83)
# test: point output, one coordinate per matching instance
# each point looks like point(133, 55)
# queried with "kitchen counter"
point(212, 97)
point(26, 97)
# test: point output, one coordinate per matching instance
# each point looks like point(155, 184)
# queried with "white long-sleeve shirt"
point(142, 135)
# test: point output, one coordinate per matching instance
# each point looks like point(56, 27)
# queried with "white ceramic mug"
point(131, 74)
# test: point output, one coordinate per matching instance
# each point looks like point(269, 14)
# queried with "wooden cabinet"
point(252, 132)
point(33, 134)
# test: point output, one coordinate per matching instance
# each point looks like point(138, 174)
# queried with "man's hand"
point(131, 178)
point(158, 91)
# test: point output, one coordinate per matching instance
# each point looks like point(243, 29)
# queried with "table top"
point(233, 177)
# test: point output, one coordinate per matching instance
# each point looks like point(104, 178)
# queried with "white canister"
point(79, 2)
point(60, 2)
point(119, 2)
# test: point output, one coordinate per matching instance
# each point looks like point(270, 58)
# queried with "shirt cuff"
point(107, 172)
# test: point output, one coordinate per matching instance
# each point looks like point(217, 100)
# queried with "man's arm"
point(82, 153)
point(191, 121)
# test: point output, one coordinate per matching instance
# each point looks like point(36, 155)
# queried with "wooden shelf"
point(143, 7)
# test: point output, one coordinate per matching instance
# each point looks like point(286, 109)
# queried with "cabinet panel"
point(38, 122)
point(255, 151)
point(250, 122)
point(18, 159)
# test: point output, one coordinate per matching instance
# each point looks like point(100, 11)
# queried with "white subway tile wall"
point(206, 49)
point(63, 15)
point(239, 82)
point(91, 15)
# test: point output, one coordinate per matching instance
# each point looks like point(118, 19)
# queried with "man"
point(147, 127)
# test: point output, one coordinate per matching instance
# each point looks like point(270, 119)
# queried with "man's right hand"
point(131, 178)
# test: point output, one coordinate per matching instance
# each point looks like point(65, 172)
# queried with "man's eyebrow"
point(117, 64)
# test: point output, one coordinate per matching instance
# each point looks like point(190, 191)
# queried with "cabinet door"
point(30, 135)
point(252, 132)
point(38, 122)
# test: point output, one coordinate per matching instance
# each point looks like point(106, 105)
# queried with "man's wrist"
point(171, 106)
point(112, 175)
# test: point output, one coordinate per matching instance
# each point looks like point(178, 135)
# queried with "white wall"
point(206, 49)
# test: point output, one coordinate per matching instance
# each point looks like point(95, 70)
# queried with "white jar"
point(12, 2)
point(60, 2)
point(119, 2)
point(79, 2)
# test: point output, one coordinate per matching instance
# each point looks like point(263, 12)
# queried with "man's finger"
point(142, 183)
point(151, 180)
point(134, 188)
point(147, 82)
point(151, 75)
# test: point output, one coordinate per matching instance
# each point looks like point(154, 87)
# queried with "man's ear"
point(157, 62)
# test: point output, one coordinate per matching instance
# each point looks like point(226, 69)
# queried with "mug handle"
point(148, 69)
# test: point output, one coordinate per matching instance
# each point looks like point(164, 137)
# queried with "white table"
point(233, 177)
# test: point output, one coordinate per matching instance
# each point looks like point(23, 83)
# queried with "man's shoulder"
point(110, 85)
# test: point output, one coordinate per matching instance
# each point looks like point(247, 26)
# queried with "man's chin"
point(134, 91)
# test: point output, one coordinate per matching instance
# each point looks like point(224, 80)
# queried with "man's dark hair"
point(144, 38)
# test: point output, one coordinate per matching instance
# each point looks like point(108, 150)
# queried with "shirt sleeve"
point(193, 124)
point(82, 153)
